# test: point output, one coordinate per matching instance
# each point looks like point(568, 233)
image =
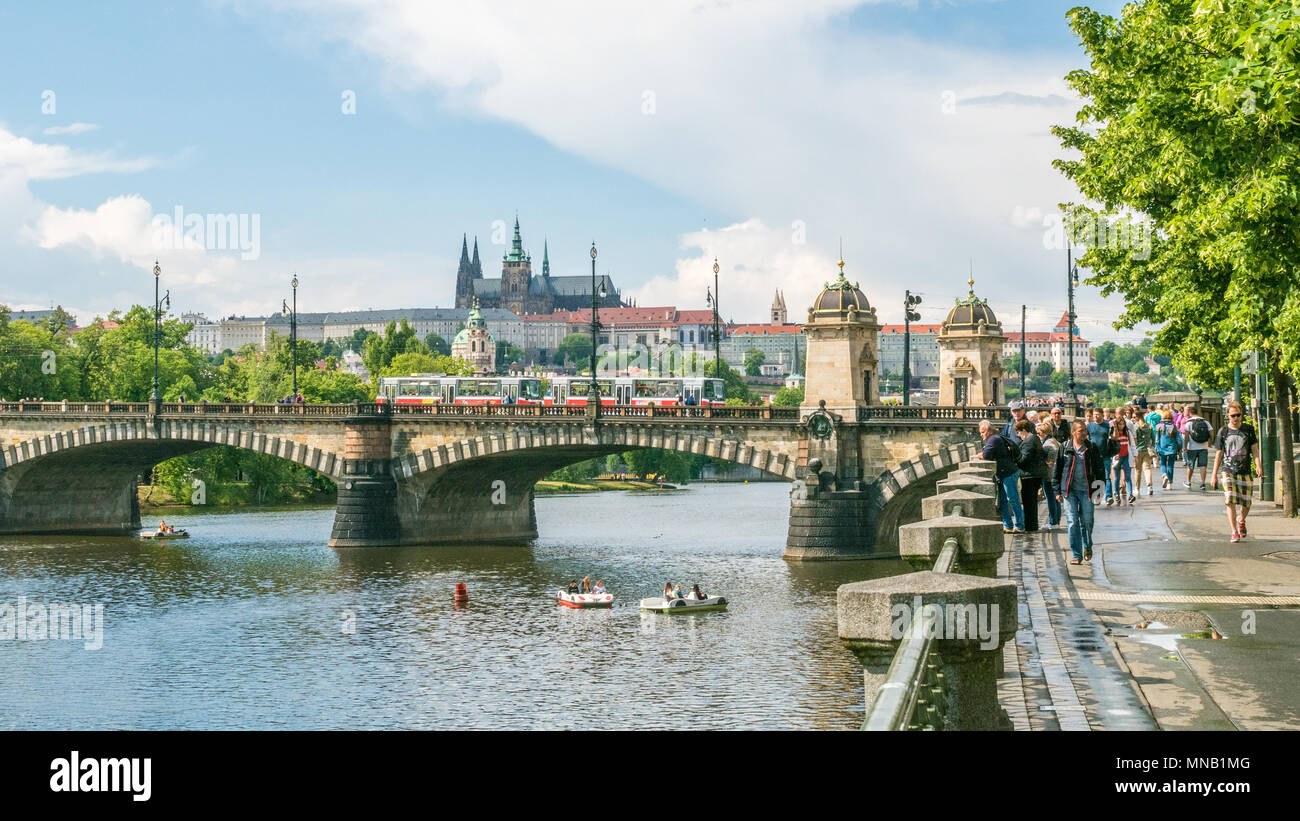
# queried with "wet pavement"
point(1171, 626)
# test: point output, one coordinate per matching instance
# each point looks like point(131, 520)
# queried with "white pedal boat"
point(581, 601)
point(659, 604)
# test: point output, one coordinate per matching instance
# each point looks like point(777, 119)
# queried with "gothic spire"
point(546, 259)
point(516, 252)
point(476, 265)
point(464, 250)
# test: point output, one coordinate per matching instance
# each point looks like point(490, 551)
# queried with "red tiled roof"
point(764, 330)
point(916, 329)
point(1040, 336)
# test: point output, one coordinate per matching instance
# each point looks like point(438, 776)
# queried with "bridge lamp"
point(293, 335)
point(156, 396)
point(593, 396)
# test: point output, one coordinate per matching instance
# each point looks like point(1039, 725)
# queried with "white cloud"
point(45, 161)
point(771, 111)
point(74, 128)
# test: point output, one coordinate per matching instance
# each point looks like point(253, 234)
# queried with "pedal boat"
point(583, 601)
point(176, 534)
point(659, 604)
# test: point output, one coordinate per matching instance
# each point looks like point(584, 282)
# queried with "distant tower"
point(970, 340)
point(478, 266)
point(546, 261)
point(465, 275)
point(516, 273)
point(475, 344)
point(778, 309)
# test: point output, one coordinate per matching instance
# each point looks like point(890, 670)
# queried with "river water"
point(255, 623)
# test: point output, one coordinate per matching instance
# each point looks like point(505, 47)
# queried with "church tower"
point(475, 264)
point(516, 274)
point(465, 275)
point(778, 309)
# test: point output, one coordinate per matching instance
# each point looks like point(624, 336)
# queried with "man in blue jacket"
point(1006, 474)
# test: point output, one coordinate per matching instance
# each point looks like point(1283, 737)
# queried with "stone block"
point(984, 486)
point(979, 542)
point(974, 505)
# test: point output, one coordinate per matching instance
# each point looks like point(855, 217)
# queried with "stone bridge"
point(465, 474)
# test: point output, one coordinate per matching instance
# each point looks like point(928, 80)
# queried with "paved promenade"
point(1171, 626)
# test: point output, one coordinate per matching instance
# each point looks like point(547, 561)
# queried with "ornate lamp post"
point(293, 332)
point(712, 299)
point(1071, 282)
point(156, 396)
point(593, 392)
point(909, 316)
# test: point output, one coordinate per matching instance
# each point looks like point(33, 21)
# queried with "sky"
point(354, 143)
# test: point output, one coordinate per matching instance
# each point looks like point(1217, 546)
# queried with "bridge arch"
point(83, 479)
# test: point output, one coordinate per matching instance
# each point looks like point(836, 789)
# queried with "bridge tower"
point(970, 348)
point(832, 506)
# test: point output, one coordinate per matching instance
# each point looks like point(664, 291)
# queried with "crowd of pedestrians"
point(1104, 458)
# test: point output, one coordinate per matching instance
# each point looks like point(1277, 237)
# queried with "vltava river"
point(245, 625)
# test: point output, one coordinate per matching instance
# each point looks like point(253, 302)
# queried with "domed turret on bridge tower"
point(842, 354)
point(970, 341)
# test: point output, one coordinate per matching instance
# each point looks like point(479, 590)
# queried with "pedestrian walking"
point(1078, 479)
point(1169, 442)
point(1197, 435)
point(1051, 449)
point(1032, 462)
point(1017, 409)
point(1121, 461)
point(1144, 451)
point(999, 449)
point(1098, 432)
point(1060, 427)
point(1234, 465)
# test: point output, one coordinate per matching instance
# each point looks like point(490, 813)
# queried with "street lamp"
point(293, 333)
point(156, 396)
point(1071, 282)
point(909, 316)
point(593, 393)
point(711, 298)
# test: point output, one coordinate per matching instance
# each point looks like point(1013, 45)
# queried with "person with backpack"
point(998, 449)
point(1169, 443)
point(1076, 477)
point(1144, 448)
point(1238, 452)
point(1032, 461)
point(1197, 434)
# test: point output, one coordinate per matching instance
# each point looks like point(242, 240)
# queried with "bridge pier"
point(366, 512)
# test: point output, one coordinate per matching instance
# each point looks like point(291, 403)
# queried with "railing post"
point(968, 620)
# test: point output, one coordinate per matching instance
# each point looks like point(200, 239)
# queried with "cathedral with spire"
point(519, 291)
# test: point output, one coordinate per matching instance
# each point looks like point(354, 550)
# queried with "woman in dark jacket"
point(1076, 477)
point(1032, 461)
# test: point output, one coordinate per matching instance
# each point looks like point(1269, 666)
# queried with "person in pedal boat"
point(697, 593)
point(573, 586)
point(586, 584)
point(668, 590)
point(599, 589)
point(677, 592)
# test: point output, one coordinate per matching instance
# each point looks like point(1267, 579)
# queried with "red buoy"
point(462, 594)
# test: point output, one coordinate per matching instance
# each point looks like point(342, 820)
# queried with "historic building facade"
point(475, 344)
point(519, 291)
point(970, 341)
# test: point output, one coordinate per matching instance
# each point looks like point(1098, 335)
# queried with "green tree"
point(1043, 369)
point(437, 344)
point(754, 359)
point(1191, 122)
point(575, 349)
point(789, 397)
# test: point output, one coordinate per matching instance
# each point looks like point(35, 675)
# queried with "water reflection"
point(253, 622)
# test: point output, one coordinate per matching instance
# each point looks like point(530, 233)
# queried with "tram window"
point(713, 389)
point(410, 389)
point(530, 388)
point(583, 388)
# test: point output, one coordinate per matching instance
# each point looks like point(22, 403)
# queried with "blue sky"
point(762, 133)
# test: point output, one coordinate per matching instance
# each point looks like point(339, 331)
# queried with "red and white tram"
point(428, 389)
point(638, 390)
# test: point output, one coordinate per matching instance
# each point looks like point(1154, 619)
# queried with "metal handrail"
point(914, 679)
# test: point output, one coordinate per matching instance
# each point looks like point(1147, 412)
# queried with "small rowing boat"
point(659, 604)
point(171, 534)
point(582, 601)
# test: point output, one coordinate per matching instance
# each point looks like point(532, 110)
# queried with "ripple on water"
point(243, 625)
